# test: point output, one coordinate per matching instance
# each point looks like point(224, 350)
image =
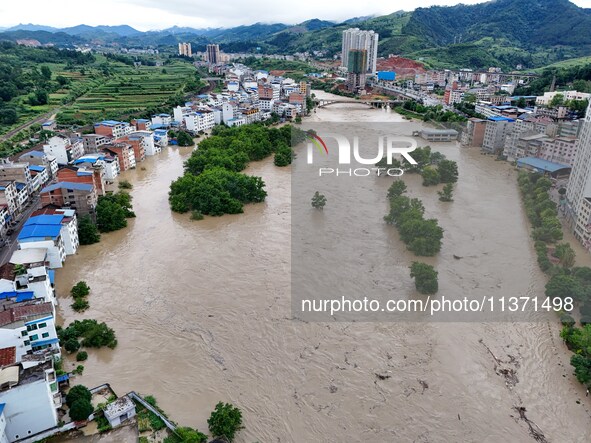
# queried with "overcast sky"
point(159, 14)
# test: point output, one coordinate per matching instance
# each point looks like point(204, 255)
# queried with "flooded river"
point(202, 314)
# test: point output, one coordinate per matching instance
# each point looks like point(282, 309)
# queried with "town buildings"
point(64, 149)
point(79, 196)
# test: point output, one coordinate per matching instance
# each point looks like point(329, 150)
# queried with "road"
point(41, 118)
point(11, 243)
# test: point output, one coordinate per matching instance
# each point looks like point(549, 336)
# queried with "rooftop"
point(45, 219)
point(28, 256)
point(543, 165)
point(22, 312)
point(37, 168)
point(119, 406)
point(34, 154)
point(67, 185)
point(40, 231)
point(501, 119)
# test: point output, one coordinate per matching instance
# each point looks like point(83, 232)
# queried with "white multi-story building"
point(8, 197)
point(30, 396)
point(162, 119)
point(39, 175)
point(578, 191)
point(30, 328)
point(495, 132)
point(354, 38)
point(545, 99)
point(64, 149)
point(40, 232)
point(199, 121)
point(560, 150)
point(112, 129)
point(161, 137)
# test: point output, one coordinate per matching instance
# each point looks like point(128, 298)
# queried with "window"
point(34, 337)
point(27, 342)
point(31, 327)
point(24, 333)
point(45, 335)
point(42, 325)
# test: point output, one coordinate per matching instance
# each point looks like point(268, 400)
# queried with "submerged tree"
point(318, 200)
point(446, 194)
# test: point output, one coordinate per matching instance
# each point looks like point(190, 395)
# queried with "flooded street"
point(202, 314)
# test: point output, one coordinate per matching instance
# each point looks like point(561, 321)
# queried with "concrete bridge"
point(322, 103)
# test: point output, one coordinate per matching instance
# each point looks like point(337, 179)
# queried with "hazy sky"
point(159, 14)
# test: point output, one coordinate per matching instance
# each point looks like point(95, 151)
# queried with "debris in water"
point(383, 376)
point(534, 429)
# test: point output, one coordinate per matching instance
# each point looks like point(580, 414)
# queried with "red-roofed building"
point(73, 174)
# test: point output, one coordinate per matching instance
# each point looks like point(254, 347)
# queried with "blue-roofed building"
point(496, 131)
point(39, 158)
point(113, 128)
point(545, 167)
point(37, 279)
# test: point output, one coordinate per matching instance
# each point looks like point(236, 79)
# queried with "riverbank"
point(202, 314)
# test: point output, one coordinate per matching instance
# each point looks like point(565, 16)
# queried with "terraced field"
point(127, 90)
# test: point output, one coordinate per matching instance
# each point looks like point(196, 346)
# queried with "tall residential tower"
point(354, 38)
point(213, 54)
point(578, 191)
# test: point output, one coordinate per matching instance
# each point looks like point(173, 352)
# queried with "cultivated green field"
point(127, 90)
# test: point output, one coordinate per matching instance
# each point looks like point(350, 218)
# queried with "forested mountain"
point(504, 33)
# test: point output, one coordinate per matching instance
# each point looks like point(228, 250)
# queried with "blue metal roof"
point(20, 185)
point(68, 185)
point(109, 123)
point(54, 219)
point(158, 126)
point(89, 158)
point(20, 295)
point(45, 342)
point(36, 154)
point(501, 119)
point(51, 274)
point(542, 165)
point(40, 231)
point(2, 405)
point(63, 377)
point(37, 168)
point(25, 295)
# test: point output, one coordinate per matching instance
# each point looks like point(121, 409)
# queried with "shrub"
point(124, 184)
point(78, 392)
point(81, 356)
point(80, 305)
point(87, 231)
point(196, 215)
point(71, 345)
point(425, 278)
point(225, 421)
point(80, 410)
point(80, 289)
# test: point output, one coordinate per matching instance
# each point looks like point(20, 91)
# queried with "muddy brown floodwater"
point(202, 314)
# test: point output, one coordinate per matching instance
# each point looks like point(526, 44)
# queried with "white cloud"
point(158, 14)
